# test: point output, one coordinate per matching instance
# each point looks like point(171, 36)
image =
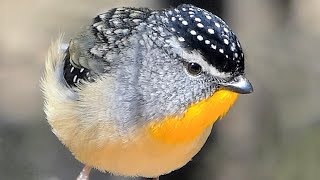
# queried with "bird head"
point(208, 47)
point(200, 75)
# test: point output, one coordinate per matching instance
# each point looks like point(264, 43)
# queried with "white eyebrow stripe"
point(214, 71)
point(195, 56)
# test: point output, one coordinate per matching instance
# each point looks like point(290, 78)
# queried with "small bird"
point(137, 91)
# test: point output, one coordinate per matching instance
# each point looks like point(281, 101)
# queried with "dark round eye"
point(194, 68)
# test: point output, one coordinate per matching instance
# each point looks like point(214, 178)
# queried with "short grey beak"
point(239, 84)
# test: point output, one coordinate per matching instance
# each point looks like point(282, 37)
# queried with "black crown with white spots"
point(198, 29)
point(193, 27)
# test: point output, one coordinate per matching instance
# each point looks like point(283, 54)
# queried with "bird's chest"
point(146, 156)
point(154, 149)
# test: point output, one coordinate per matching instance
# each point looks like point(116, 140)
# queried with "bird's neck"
point(198, 117)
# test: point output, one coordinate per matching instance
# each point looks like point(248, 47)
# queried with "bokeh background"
point(273, 133)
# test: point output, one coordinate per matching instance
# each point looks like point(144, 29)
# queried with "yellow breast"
point(156, 149)
point(198, 117)
point(144, 157)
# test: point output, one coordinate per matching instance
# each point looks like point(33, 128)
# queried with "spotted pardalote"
point(136, 91)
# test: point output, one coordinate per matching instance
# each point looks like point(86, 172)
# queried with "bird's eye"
point(194, 68)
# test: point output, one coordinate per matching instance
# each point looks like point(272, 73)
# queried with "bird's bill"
point(239, 84)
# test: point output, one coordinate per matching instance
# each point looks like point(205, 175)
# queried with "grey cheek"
point(167, 89)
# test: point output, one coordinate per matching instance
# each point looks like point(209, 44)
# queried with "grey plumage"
point(131, 68)
point(140, 54)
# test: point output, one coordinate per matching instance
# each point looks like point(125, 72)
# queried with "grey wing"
point(107, 35)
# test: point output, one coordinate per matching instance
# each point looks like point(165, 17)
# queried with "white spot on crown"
point(226, 41)
point(211, 31)
point(181, 39)
point(200, 25)
point(197, 19)
point(193, 32)
point(199, 37)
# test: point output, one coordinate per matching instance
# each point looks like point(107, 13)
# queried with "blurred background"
point(271, 134)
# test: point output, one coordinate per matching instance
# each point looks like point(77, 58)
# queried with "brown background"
point(271, 134)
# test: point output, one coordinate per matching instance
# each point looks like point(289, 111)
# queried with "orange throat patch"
point(198, 117)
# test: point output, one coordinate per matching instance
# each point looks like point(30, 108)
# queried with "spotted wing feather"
point(86, 57)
